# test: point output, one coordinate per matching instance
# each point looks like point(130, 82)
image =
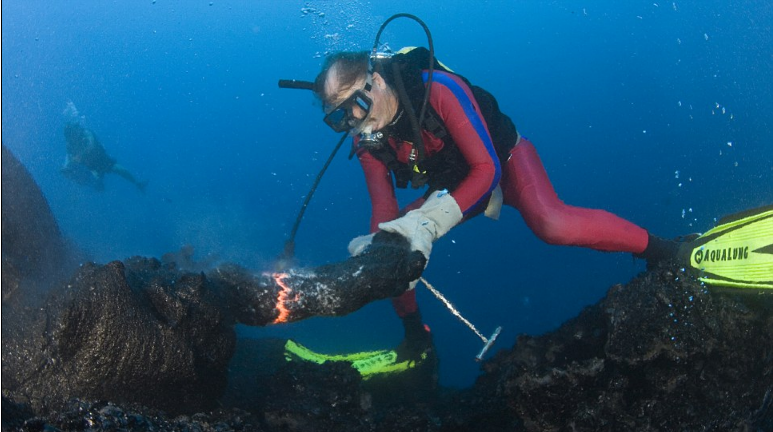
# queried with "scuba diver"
point(86, 161)
point(455, 141)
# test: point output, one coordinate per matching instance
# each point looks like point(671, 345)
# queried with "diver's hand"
point(427, 223)
point(359, 244)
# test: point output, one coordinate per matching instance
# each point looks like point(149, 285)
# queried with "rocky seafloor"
point(145, 344)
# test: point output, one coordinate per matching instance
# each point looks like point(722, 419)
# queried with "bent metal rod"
point(487, 343)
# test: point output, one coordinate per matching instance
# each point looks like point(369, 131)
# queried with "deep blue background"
point(617, 97)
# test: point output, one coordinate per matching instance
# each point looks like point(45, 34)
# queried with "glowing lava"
point(282, 298)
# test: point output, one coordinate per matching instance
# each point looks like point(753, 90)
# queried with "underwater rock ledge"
point(659, 353)
point(662, 352)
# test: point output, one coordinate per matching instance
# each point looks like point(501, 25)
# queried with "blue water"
point(658, 112)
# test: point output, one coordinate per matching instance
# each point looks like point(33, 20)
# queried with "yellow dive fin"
point(368, 363)
point(738, 252)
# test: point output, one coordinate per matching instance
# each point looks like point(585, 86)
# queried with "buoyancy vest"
point(447, 168)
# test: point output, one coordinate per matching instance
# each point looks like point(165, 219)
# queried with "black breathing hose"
point(289, 249)
point(431, 67)
point(415, 123)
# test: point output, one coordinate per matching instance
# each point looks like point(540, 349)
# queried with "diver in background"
point(466, 151)
point(87, 162)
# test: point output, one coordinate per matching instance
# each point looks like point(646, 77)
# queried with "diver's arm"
point(454, 101)
point(442, 211)
point(382, 192)
point(123, 172)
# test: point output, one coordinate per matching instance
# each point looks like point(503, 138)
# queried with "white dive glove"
point(358, 244)
point(427, 223)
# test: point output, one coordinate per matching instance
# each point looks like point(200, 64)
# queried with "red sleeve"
point(454, 102)
point(381, 190)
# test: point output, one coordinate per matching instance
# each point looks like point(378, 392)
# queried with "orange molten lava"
point(283, 297)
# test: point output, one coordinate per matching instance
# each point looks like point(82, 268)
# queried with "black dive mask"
point(341, 118)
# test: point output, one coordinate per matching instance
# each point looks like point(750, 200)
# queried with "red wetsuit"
point(525, 184)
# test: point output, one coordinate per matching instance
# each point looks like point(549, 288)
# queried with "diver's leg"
point(417, 339)
point(405, 304)
point(526, 186)
point(123, 172)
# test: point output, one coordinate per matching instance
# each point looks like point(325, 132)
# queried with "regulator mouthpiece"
point(371, 140)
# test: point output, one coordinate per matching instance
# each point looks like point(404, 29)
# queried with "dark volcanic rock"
point(131, 332)
point(81, 415)
point(33, 247)
point(327, 397)
point(660, 353)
